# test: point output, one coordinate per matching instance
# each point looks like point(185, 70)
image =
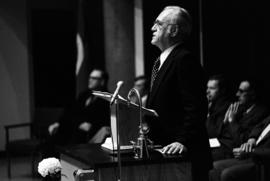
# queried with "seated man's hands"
point(231, 112)
point(240, 154)
point(53, 128)
point(174, 148)
point(237, 152)
point(249, 145)
point(244, 149)
point(85, 126)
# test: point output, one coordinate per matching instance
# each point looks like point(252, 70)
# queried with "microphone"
point(119, 85)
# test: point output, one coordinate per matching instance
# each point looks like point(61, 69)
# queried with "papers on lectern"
point(108, 144)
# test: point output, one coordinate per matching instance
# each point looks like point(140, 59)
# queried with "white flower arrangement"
point(49, 166)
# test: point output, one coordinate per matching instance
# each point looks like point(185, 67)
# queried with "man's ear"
point(174, 31)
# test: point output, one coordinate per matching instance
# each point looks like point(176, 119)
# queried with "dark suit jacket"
point(244, 169)
point(178, 96)
point(214, 122)
point(256, 132)
point(241, 127)
point(97, 113)
point(216, 128)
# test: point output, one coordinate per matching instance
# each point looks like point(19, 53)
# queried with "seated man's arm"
point(101, 135)
point(245, 149)
point(249, 145)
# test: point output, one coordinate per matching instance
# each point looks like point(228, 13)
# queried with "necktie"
point(154, 72)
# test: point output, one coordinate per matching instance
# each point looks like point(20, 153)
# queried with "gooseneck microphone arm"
point(116, 92)
point(136, 92)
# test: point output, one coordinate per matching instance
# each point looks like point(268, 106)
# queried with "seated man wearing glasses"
point(242, 116)
point(242, 167)
point(86, 118)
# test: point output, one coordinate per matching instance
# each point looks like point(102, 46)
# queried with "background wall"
point(119, 43)
point(52, 26)
point(15, 100)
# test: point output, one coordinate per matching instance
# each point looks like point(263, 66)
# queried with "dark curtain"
point(236, 38)
point(90, 26)
point(54, 51)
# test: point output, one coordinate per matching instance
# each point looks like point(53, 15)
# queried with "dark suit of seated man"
point(219, 99)
point(89, 117)
point(141, 83)
point(242, 167)
point(243, 115)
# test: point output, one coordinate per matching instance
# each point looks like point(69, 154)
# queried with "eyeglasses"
point(95, 78)
point(241, 91)
point(160, 23)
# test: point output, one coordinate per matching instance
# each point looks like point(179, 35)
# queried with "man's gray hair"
point(182, 18)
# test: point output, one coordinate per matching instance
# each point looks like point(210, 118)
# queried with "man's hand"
point(53, 128)
point(174, 148)
point(231, 112)
point(244, 150)
point(249, 145)
point(237, 152)
point(85, 126)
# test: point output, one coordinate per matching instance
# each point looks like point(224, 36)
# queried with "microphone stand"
point(118, 141)
point(141, 146)
point(114, 99)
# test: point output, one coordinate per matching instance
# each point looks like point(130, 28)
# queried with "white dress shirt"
point(165, 54)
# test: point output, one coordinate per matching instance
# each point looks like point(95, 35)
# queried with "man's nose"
point(153, 28)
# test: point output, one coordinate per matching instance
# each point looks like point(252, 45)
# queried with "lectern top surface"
point(94, 156)
point(107, 96)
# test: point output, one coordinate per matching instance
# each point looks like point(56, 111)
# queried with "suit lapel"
point(265, 138)
point(267, 134)
point(162, 72)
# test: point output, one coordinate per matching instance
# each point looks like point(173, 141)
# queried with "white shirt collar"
point(165, 54)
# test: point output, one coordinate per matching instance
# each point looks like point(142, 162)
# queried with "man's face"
point(212, 90)
point(95, 80)
point(160, 30)
point(140, 86)
point(244, 94)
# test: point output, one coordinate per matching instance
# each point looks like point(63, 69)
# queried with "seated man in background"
point(141, 83)
point(219, 99)
point(242, 116)
point(242, 167)
point(92, 113)
point(88, 117)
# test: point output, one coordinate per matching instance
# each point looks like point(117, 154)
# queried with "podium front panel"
point(129, 121)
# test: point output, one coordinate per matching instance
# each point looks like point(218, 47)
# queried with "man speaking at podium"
point(177, 93)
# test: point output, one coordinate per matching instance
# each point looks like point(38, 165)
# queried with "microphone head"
point(119, 83)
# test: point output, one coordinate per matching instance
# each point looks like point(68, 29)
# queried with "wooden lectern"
point(94, 162)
